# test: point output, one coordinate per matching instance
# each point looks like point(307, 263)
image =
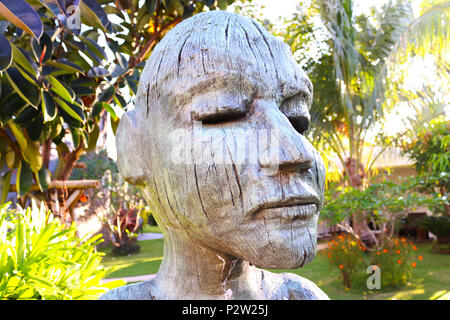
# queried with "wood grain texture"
point(238, 103)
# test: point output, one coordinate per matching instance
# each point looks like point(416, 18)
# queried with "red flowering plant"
point(346, 253)
point(396, 259)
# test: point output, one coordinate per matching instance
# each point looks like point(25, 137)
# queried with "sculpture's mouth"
point(290, 209)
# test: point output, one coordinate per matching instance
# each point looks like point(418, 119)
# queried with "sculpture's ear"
point(129, 148)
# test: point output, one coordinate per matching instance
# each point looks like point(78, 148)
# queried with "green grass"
point(147, 261)
point(430, 280)
point(151, 229)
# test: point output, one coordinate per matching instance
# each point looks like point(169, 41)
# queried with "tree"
point(63, 66)
point(350, 76)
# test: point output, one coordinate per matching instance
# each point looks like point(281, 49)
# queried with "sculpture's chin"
point(285, 257)
point(280, 246)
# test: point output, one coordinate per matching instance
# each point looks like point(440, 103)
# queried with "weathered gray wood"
point(223, 214)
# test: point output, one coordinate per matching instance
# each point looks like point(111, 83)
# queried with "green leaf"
point(98, 72)
point(12, 104)
point(5, 53)
point(120, 101)
point(24, 178)
point(114, 124)
point(4, 186)
point(71, 109)
point(75, 136)
point(18, 134)
point(22, 15)
point(109, 109)
point(93, 15)
point(27, 92)
point(34, 129)
point(93, 137)
point(23, 59)
point(65, 65)
point(93, 46)
point(26, 116)
point(106, 94)
point(48, 106)
point(43, 178)
point(60, 89)
point(43, 49)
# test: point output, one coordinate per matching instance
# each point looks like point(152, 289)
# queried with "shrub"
point(124, 218)
point(346, 253)
point(396, 260)
point(381, 204)
point(41, 259)
point(123, 227)
point(430, 151)
point(96, 166)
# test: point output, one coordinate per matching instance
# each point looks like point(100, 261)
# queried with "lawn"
point(431, 277)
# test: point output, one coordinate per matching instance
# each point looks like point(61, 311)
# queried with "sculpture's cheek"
point(128, 143)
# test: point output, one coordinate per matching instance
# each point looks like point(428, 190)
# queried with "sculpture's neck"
point(191, 271)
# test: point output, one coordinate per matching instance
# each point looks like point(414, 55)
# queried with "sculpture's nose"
point(290, 151)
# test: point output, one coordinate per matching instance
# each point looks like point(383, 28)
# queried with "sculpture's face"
point(225, 98)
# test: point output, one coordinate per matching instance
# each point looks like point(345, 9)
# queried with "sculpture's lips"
point(289, 209)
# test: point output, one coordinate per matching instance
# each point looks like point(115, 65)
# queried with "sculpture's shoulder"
point(293, 287)
point(136, 291)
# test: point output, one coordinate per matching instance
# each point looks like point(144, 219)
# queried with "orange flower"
point(341, 266)
point(420, 258)
point(398, 251)
point(414, 247)
point(385, 250)
point(403, 239)
point(399, 261)
point(378, 252)
point(413, 264)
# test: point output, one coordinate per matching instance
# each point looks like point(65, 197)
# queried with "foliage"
point(41, 259)
point(435, 186)
point(124, 218)
point(395, 261)
point(96, 166)
point(439, 226)
point(346, 252)
point(431, 156)
point(380, 207)
point(65, 66)
point(123, 226)
point(431, 149)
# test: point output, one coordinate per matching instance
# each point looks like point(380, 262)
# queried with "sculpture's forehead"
point(225, 49)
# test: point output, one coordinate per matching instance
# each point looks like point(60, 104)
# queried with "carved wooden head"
point(220, 102)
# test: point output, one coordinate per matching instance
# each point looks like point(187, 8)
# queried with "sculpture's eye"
point(218, 108)
point(295, 108)
point(221, 114)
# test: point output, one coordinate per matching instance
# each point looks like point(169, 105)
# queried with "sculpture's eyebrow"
point(232, 82)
